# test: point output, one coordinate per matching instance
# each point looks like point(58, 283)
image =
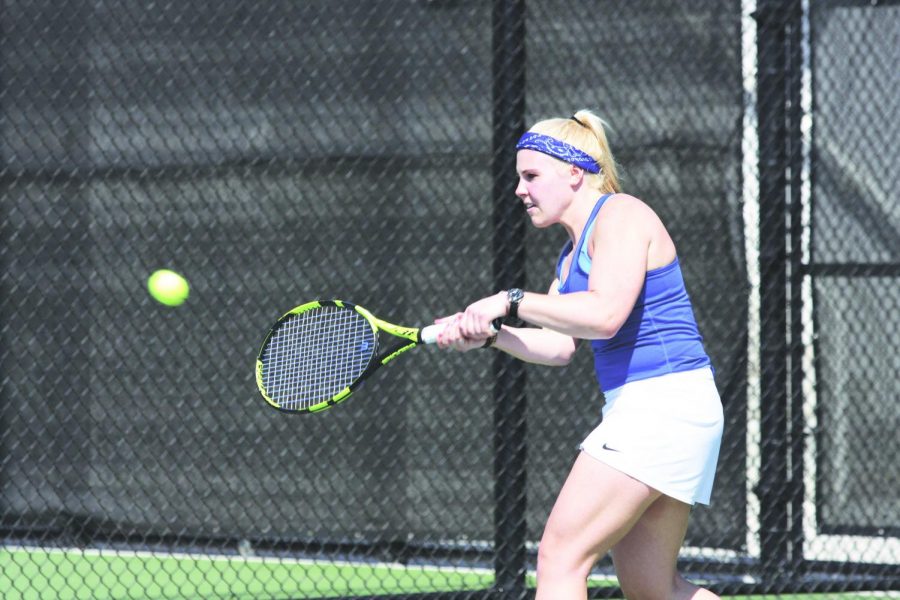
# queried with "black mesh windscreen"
point(273, 154)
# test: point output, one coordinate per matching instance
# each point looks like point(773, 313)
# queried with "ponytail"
point(587, 132)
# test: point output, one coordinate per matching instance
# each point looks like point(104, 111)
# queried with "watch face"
point(515, 295)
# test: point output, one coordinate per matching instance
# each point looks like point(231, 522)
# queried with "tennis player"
point(618, 284)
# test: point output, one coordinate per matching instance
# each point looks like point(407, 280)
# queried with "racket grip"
point(430, 333)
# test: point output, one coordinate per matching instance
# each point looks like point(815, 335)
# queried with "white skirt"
point(664, 431)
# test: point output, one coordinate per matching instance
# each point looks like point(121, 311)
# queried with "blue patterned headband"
point(558, 149)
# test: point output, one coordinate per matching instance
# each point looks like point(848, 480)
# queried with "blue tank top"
point(660, 335)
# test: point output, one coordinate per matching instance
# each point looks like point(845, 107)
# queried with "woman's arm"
point(538, 346)
point(620, 242)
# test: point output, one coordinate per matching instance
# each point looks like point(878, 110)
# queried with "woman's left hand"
point(476, 320)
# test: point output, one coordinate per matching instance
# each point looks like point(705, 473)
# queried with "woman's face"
point(544, 186)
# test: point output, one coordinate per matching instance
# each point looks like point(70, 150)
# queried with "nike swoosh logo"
point(605, 447)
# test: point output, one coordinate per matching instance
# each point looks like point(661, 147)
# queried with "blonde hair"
point(587, 132)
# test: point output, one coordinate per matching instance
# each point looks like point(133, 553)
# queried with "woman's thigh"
point(596, 507)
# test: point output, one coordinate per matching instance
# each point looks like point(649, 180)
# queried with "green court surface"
point(35, 574)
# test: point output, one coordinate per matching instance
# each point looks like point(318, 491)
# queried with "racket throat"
point(397, 353)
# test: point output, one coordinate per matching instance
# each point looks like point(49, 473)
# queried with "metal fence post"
point(794, 152)
point(773, 83)
point(509, 271)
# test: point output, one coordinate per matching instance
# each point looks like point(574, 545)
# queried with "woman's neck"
point(575, 218)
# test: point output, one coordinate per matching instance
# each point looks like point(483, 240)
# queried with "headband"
point(558, 149)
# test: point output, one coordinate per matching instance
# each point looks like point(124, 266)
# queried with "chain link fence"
point(280, 152)
point(852, 261)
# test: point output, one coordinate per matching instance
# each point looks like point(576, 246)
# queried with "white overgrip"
point(430, 333)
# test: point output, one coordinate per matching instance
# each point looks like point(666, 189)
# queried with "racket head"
point(315, 354)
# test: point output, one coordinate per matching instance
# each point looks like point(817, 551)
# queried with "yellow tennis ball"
point(168, 287)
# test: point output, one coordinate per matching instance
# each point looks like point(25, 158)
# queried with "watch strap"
point(514, 296)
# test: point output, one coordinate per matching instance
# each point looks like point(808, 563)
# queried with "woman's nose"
point(521, 191)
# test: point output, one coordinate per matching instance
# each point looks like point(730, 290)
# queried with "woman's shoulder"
point(631, 218)
point(626, 206)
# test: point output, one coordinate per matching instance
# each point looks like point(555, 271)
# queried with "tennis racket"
point(318, 353)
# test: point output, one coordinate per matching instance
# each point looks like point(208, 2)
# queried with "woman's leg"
point(645, 558)
point(596, 507)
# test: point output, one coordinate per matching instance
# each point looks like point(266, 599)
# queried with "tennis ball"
point(168, 287)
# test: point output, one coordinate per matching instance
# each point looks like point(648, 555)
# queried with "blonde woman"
point(618, 284)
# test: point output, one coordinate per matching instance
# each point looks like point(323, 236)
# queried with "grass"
point(93, 575)
point(36, 574)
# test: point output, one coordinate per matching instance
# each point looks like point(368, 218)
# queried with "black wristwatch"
point(514, 297)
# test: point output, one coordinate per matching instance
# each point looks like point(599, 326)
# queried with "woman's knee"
point(556, 559)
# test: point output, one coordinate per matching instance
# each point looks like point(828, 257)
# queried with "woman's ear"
point(576, 175)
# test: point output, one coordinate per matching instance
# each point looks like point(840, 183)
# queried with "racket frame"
point(412, 336)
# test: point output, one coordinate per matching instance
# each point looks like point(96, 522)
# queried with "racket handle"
point(430, 333)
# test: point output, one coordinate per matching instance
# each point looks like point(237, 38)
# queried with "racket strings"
point(316, 354)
